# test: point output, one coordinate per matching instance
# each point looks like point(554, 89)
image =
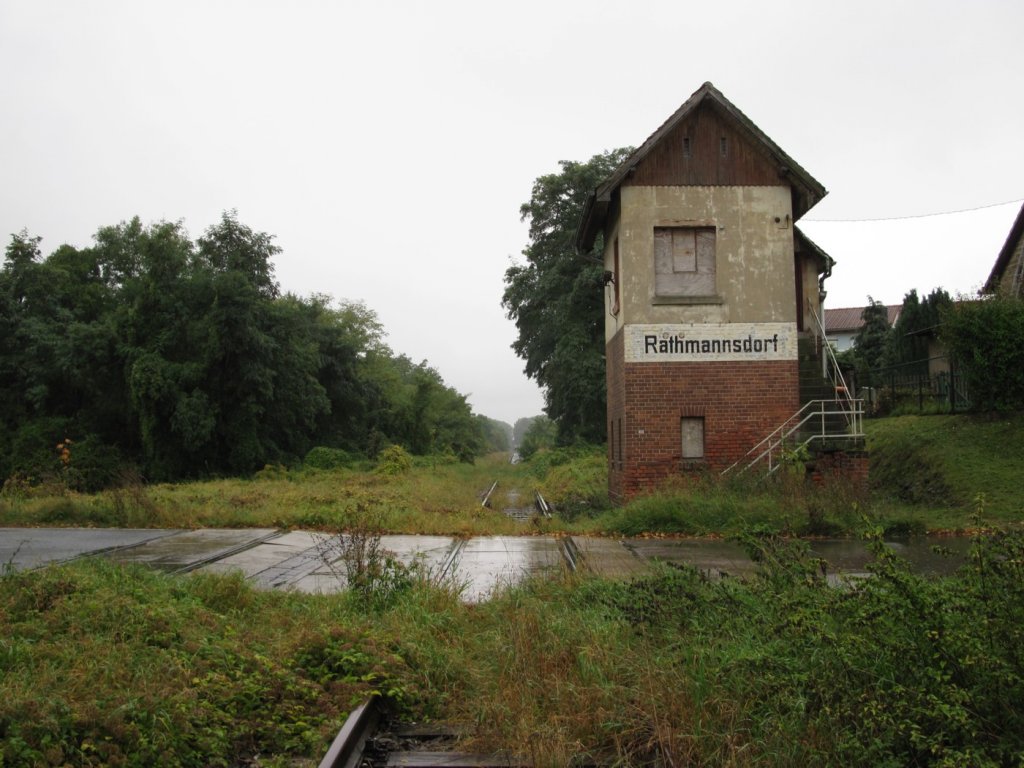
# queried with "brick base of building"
point(740, 402)
point(850, 467)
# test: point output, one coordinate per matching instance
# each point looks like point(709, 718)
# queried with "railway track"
point(512, 506)
point(368, 739)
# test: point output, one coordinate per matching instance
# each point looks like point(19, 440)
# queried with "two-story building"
point(713, 294)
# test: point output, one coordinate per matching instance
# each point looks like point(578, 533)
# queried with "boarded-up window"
point(693, 437)
point(684, 261)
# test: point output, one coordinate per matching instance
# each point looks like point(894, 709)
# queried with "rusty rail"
point(347, 749)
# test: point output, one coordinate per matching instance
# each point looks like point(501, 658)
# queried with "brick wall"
point(848, 466)
point(614, 364)
point(741, 402)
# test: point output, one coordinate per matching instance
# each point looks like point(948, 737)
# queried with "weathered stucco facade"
point(754, 277)
point(710, 290)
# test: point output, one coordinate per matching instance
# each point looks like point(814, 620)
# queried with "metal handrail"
point(838, 381)
point(852, 410)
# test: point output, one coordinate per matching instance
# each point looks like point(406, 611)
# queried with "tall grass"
point(925, 473)
point(432, 496)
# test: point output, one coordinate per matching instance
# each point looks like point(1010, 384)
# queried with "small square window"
point(693, 437)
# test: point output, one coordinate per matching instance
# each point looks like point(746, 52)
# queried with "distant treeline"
point(149, 352)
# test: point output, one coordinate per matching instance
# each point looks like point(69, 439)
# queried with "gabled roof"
point(845, 319)
point(804, 243)
point(1003, 259)
point(808, 190)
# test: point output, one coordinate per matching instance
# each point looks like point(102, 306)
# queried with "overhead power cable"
point(916, 216)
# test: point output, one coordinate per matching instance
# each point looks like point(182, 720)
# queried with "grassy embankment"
point(928, 473)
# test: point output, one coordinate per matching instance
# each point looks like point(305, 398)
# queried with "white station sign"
point(710, 342)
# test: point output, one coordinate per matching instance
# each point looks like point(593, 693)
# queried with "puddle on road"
point(299, 560)
point(486, 563)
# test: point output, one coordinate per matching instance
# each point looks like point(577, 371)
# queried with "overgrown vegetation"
point(984, 338)
point(431, 494)
point(926, 472)
point(173, 358)
point(109, 665)
point(573, 480)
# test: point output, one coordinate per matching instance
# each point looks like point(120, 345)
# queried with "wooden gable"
point(706, 142)
point(706, 149)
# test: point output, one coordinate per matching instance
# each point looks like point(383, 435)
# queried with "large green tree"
point(183, 358)
point(984, 340)
point(557, 302)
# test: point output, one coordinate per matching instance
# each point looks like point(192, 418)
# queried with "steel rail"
point(487, 496)
point(346, 751)
point(543, 506)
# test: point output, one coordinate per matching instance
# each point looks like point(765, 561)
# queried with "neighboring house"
point(711, 294)
point(1008, 272)
point(842, 325)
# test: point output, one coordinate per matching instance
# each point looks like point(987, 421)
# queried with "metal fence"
point(925, 386)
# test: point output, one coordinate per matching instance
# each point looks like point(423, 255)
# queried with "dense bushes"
point(986, 341)
point(104, 665)
point(183, 359)
point(893, 670)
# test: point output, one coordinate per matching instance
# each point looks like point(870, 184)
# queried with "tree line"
point(184, 359)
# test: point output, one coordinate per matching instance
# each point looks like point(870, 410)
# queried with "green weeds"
point(103, 664)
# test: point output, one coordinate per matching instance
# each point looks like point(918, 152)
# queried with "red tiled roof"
point(851, 318)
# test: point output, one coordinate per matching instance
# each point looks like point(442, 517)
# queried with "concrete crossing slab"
point(486, 563)
point(610, 558)
point(33, 547)
point(186, 550)
point(265, 555)
point(313, 562)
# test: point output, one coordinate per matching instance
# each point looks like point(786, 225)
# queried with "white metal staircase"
point(818, 424)
point(813, 426)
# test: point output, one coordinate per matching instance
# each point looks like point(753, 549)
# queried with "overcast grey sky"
point(389, 145)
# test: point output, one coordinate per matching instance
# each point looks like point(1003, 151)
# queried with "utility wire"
point(905, 218)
